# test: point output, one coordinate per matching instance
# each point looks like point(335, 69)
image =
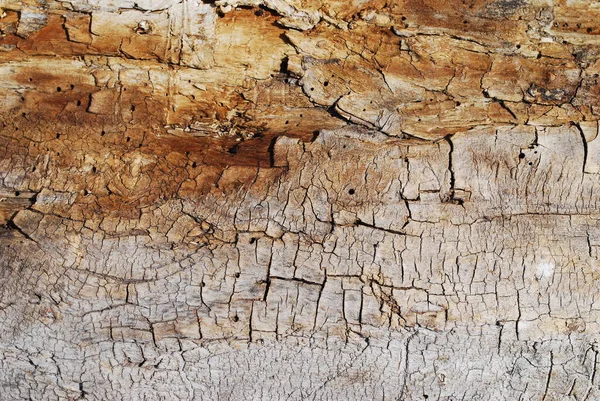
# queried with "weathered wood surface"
point(299, 200)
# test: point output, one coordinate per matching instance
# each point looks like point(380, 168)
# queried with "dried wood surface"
point(299, 200)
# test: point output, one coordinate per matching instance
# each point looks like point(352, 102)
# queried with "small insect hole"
point(351, 191)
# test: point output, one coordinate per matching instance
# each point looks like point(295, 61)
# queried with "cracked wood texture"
point(299, 200)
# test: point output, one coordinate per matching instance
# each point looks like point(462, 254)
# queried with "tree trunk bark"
point(299, 200)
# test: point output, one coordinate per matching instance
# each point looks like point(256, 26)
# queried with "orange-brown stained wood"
point(114, 92)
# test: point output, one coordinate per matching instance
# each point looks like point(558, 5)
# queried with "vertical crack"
point(584, 143)
point(450, 197)
point(448, 139)
point(549, 376)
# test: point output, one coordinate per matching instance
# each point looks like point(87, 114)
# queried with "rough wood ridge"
point(299, 200)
